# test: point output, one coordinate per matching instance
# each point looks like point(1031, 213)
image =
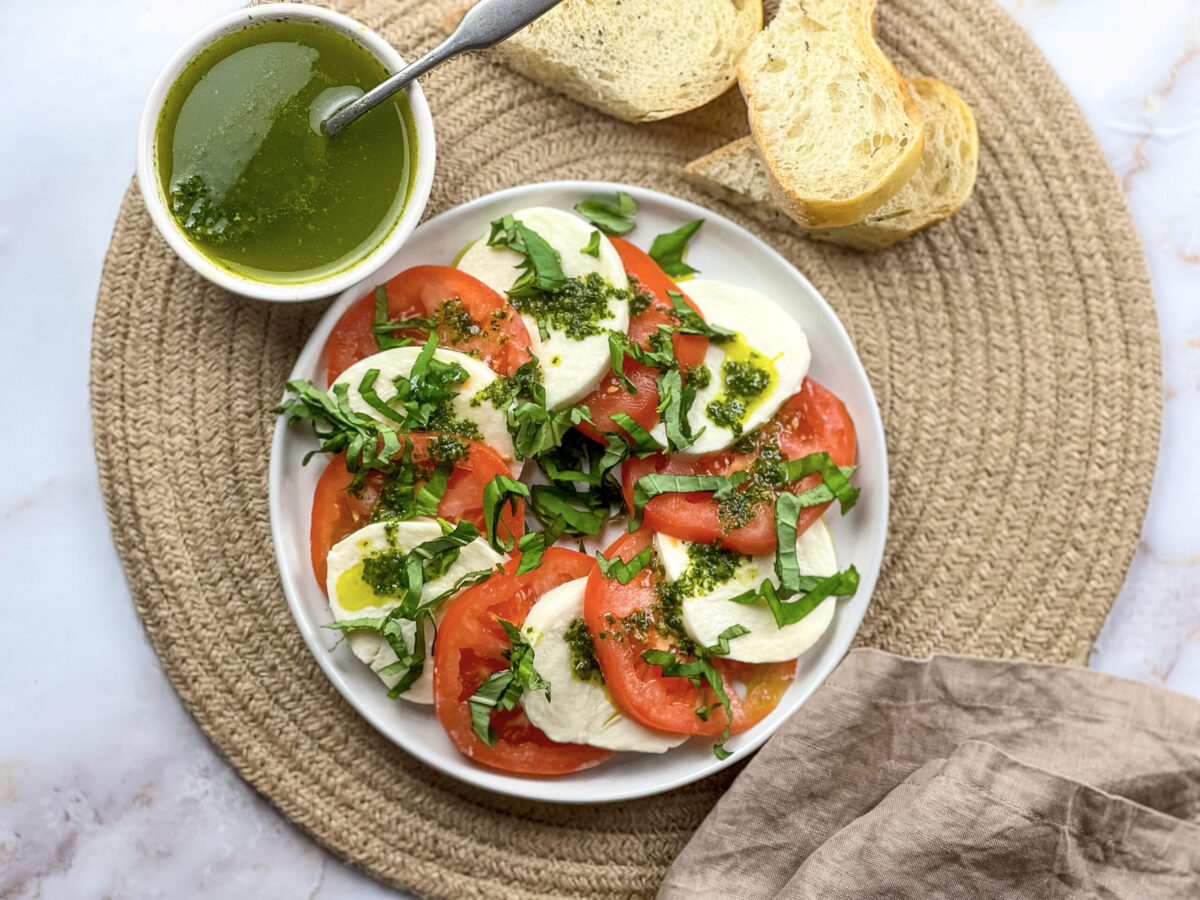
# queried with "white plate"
point(722, 250)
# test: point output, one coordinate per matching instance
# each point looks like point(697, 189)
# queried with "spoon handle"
point(485, 24)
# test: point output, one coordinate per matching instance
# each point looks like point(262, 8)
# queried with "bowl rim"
point(335, 282)
point(873, 528)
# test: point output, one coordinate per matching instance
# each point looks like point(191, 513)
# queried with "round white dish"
point(722, 250)
point(159, 209)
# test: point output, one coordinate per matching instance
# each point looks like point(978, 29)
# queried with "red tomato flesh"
point(470, 646)
point(491, 329)
point(611, 397)
point(336, 512)
point(626, 619)
point(811, 420)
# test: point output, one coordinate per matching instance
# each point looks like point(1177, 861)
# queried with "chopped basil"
point(404, 575)
point(691, 322)
point(383, 327)
point(593, 245)
point(401, 497)
point(701, 670)
point(535, 429)
point(551, 503)
point(674, 405)
point(622, 571)
point(836, 480)
point(809, 591)
point(388, 627)
point(367, 443)
point(648, 487)
point(541, 267)
point(611, 214)
point(533, 545)
point(501, 690)
point(501, 491)
point(667, 249)
point(640, 441)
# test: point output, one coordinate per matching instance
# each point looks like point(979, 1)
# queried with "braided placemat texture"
point(1013, 349)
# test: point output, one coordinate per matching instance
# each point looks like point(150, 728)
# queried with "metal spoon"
point(484, 25)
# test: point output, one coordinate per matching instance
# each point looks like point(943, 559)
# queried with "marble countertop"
point(107, 787)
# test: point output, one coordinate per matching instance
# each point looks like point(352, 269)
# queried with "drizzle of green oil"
point(250, 182)
point(747, 379)
point(584, 666)
point(353, 591)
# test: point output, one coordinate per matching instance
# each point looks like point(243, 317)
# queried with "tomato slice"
point(611, 397)
point(811, 420)
point(470, 646)
point(627, 619)
point(477, 320)
point(336, 512)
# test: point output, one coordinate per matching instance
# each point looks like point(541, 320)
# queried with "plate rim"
point(513, 784)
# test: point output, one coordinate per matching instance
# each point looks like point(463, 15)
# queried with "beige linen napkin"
point(954, 777)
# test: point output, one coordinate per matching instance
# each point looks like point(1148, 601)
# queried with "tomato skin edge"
point(812, 419)
point(639, 689)
point(468, 637)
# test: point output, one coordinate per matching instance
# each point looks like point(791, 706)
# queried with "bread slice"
point(835, 123)
point(637, 60)
point(939, 189)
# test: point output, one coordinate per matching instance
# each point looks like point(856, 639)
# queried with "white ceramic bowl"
point(156, 202)
point(722, 250)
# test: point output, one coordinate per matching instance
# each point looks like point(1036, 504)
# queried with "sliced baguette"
point(939, 189)
point(836, 125)
point(637, 60)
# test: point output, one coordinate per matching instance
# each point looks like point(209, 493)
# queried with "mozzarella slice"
point(572, 367)
point(579, 711)
point(708, 613)
point(767, 336)
point(397, 363)
point(352, 598)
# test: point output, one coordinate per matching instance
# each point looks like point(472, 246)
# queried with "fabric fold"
point(962, 777)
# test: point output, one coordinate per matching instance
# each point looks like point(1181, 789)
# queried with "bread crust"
point(815, 211)
point(737, 173)
point(630, 99)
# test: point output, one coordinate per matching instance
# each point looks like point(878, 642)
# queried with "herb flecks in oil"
point(584, 666)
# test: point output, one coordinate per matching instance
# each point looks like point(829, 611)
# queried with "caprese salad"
point(570, 502)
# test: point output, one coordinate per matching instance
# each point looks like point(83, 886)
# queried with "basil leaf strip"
point(366, 389)
point(430, 494)
point(383, 327)
point(611, 214)
point(813, 592)
point(593, 245)
point(640, 441)
point(533, 545)
point(622, 571)
point(691, 322)
point(366, 442)
point(619, 347)
point(836, 480)
point(501, 690)
point(810, 591)
point(535, 429)
point(551, 503)
point(675, 403)
point(648, 487)
point(500, 491)
point(701, 669)
point(541, 268)
point(667, 249)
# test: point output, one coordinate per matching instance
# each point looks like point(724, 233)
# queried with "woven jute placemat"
point(1013, 349)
